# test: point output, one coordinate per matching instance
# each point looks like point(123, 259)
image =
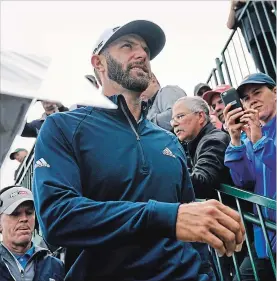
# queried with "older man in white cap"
point(20, 259)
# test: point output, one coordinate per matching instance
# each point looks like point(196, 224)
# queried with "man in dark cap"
point(200, 89)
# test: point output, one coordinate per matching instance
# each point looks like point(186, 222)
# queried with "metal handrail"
point(25, 166)
point(248, 196)
point(222, 60)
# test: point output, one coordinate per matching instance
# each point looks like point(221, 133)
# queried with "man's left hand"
point(252, 126)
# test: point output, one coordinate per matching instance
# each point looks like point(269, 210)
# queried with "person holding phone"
point(251, 157)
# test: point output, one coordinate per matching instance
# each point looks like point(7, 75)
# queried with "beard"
point(123, 77)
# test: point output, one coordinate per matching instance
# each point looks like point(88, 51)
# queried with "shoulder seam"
point(53, 119)
point(78, 126)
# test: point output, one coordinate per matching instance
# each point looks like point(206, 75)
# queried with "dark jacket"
point(206, 161)
point(112, 188)
point(46, 266)
point(31, 129)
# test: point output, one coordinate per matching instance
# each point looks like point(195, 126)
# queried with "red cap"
point(217, 90)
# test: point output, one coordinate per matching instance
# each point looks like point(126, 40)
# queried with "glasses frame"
point(180, 117)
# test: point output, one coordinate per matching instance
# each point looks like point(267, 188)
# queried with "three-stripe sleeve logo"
point(41, 163)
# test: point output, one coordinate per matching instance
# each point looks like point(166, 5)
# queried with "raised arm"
point(236, 158)
point(30, 130)
point(232, 14)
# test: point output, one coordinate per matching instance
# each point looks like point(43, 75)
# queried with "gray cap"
point(199, 86)
point(13, 197)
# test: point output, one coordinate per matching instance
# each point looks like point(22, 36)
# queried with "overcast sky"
point(195, 30)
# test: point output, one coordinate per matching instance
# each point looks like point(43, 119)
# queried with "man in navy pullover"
point(114, 187)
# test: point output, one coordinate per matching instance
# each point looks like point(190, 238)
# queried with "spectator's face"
point(18, 227)
point(186, 124)
point(202, 91)
point(20, 156)
point(218, 106)
point(49, 106)
point(151, 90)
point(261, 98)
point(128, 64)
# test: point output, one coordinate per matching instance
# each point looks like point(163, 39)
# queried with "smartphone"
point(232, 96)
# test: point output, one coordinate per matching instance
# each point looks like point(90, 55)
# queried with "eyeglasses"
point(179, 117)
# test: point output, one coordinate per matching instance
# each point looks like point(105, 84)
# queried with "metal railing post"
point(215, 77)
point(268, 21)
point(264, 35)
point(266, 239)
point(227, 69)
point(248, 243)
point(219, 70)
point(257, 43)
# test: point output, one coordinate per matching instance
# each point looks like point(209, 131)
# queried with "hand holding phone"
point(233, 112)
point(231, 96)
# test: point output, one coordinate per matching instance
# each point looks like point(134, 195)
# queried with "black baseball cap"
point(199, 86)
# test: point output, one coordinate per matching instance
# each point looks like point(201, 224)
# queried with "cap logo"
point(101, 43)
point(116, 28)
point(98, 47)
point(22, 193)
point(14, 194)
point(18, 193)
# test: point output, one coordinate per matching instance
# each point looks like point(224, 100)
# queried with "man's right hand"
point(230, 122)
point(210, 222)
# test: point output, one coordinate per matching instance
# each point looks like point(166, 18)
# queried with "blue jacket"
point(46, 266)
point(256, 165)
point(111, 187)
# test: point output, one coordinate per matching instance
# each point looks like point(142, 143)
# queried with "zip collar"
point(119, 99)
point(37, 251)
